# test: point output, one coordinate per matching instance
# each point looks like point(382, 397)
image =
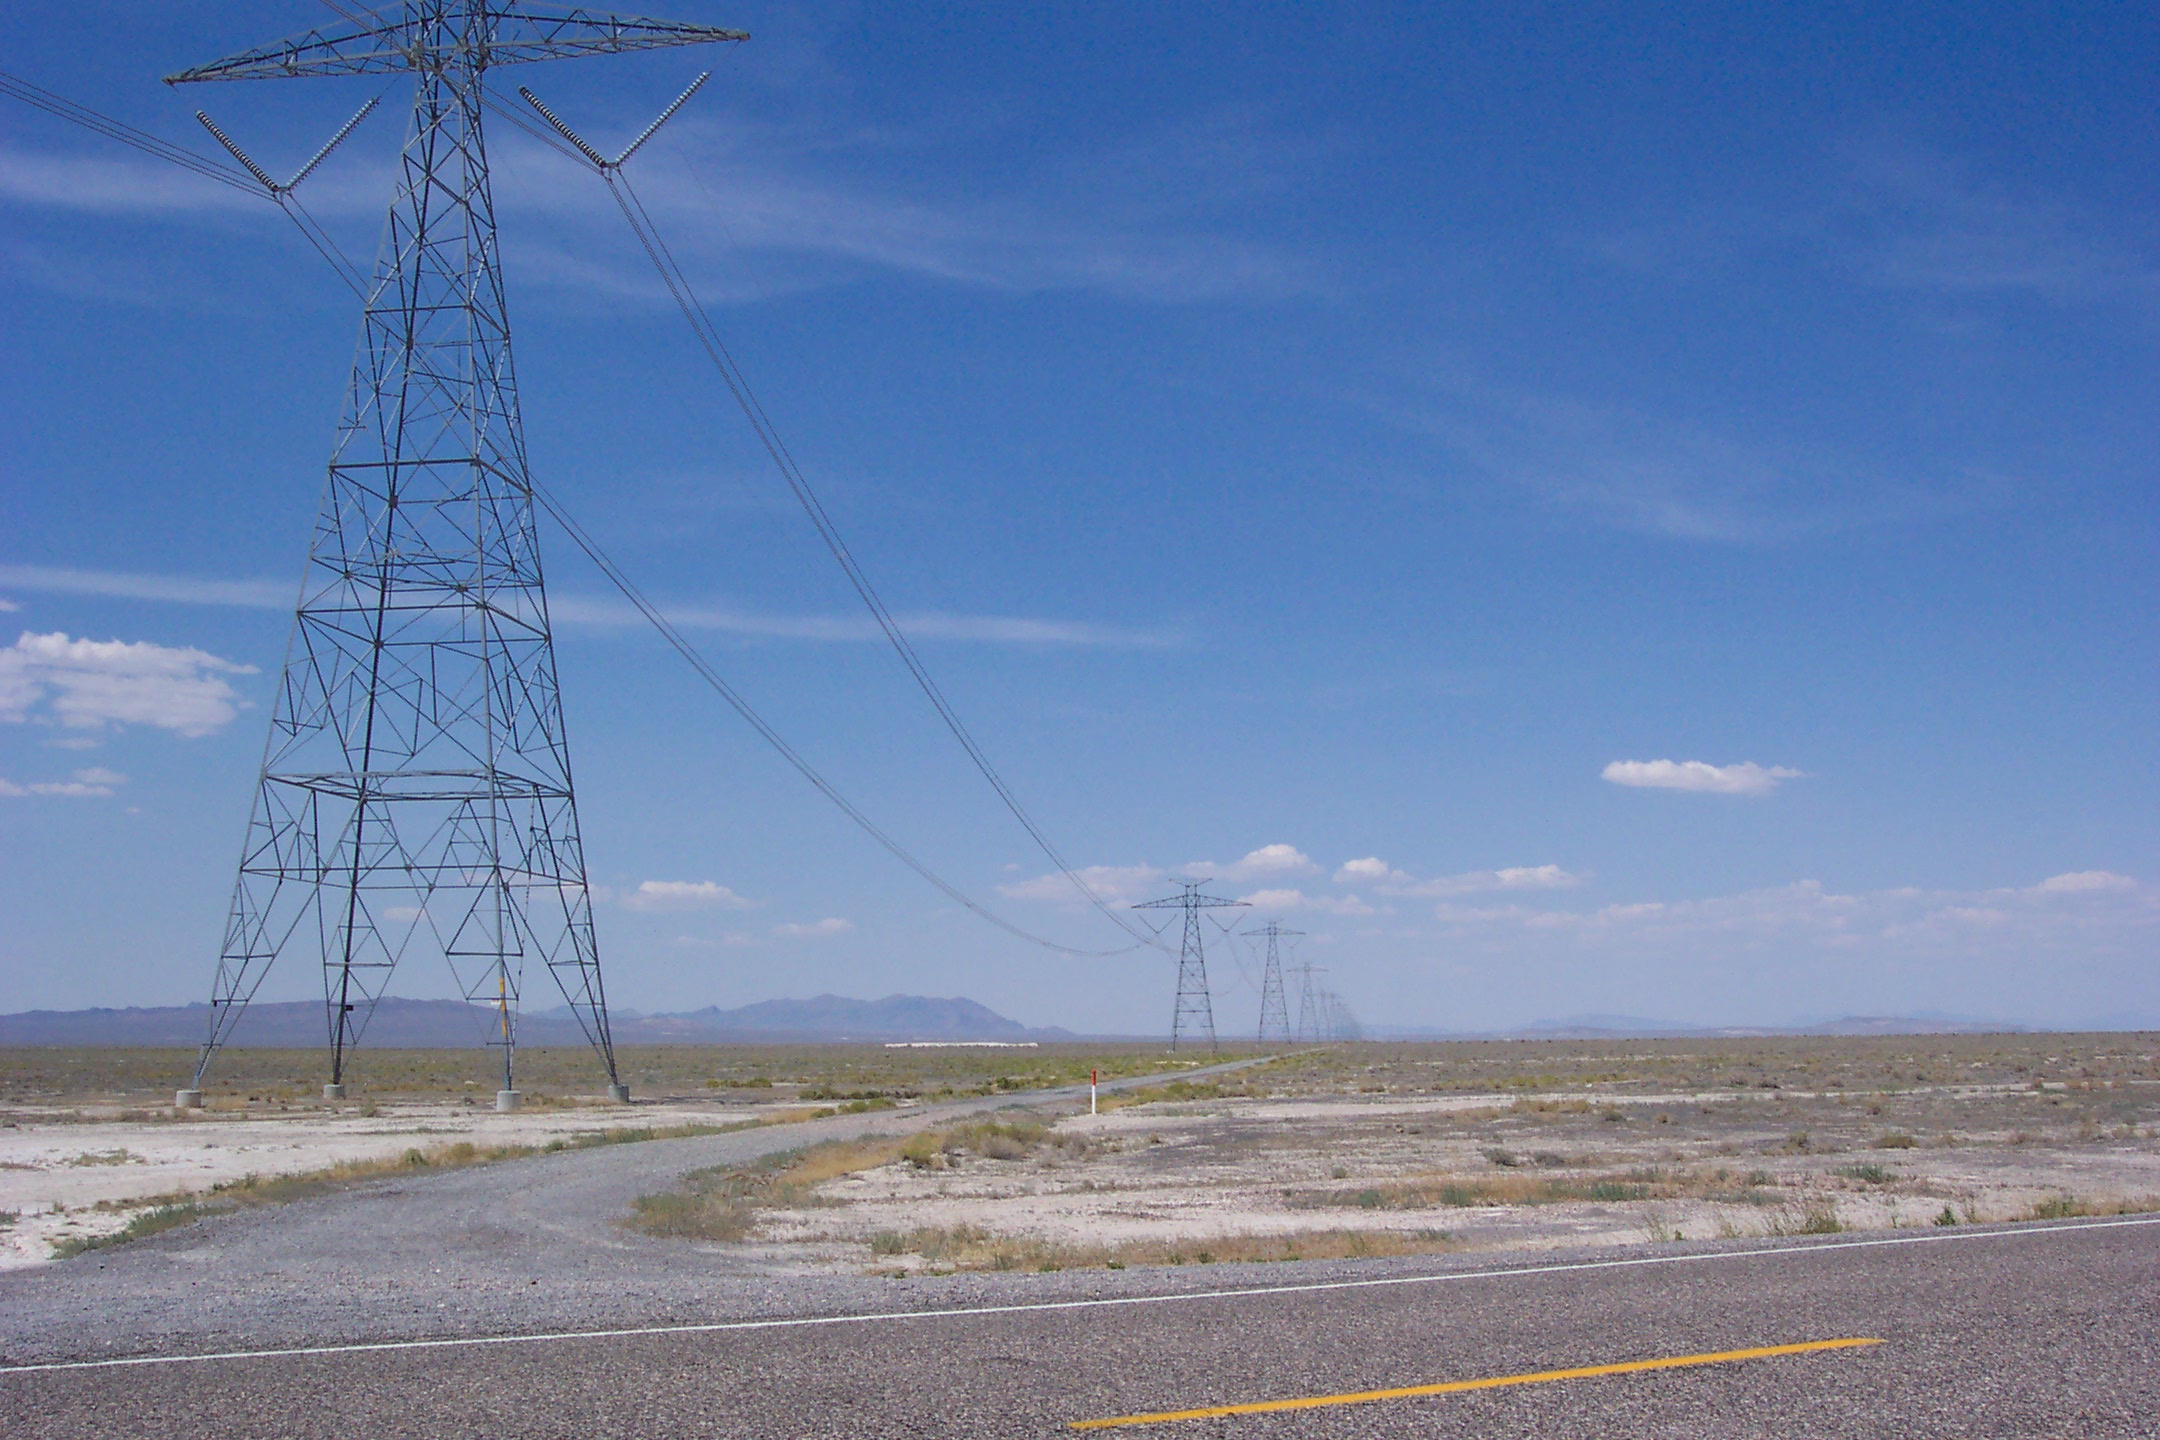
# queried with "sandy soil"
point(1506, 1172)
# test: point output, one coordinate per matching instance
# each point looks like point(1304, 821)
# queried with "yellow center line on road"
point(1451, 1387)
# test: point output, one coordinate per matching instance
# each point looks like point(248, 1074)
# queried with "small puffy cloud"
point(1746, 778)
point(658, 896)
point(8, 606)
point(92, 783)
point(1372, 870)
point(88, 684)
point(831, 925)
point(1267, 862)
point(1115, 884)
point(1282, 901)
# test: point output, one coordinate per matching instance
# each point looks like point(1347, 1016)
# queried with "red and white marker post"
point(1091, 1092)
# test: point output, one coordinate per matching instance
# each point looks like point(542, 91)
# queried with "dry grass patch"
point(722, 1203)
point(1614, 1188)
point(2067, 1206)
point(967, 1247)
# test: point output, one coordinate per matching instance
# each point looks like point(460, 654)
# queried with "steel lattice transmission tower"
point(415, 793)
point(1195, 1008)
point(1274, 1008)
point(1309, 1016)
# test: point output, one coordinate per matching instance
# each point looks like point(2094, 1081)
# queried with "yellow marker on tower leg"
point(1452, 1387)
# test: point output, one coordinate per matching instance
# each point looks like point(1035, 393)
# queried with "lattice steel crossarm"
point(497, 34)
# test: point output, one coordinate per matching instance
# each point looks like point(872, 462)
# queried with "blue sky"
point(1341, 454)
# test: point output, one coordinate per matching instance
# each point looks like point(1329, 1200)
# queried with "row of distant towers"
point(1322, 1016)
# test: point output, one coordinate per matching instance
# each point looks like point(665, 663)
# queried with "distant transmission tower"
point(1342, 1022)
point(1274, 1011)
point(415, 793)
point(1195, 1009)
point(1310, 1017)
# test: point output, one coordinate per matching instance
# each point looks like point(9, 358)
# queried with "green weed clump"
point(150, 1222)
point(1817, 1217)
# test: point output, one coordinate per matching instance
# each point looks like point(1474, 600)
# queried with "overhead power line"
point(128, 135)
point(708, 336)
point(681, 645)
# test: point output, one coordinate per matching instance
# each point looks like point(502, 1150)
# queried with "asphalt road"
point(2040, 1330)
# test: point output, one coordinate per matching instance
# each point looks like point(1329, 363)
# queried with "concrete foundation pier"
point(187, 1100)
point(507, 1100)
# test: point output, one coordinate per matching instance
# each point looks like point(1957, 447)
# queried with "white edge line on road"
point(1933, 1237)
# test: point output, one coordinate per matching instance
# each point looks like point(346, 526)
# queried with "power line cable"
point(630, 591)
point(126, 134)
point(708, 336)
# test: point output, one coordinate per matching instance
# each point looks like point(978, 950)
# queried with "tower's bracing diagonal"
point(415, 795)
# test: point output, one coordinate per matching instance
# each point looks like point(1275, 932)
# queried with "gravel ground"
point(518, 1245)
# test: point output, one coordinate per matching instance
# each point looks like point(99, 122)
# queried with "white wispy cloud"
point(831, 925)
point(87, 684)
point(751, 209)
point(8, 607)
point(1266, 862)
point(660, 896)
point(175, 589)
point(1115, 884)
point(1913, 217)
point(2084, 882)
point(1807, 915)
point(917, 625)
point(607, 610)
point(1377, 875)
point(1746, 778)
point(1476, 882)
point(117, 184)
point(1284, 901)
point(1687, 477)
point(1134, 218)
point(94, 782)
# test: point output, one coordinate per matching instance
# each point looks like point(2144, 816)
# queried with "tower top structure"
point(433, 35)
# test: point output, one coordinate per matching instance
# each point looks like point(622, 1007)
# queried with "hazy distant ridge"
point(452, 1024)
point(1635, 1027)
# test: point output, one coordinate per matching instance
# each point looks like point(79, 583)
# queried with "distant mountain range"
point(1635, 1027)
point(437, 1024)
